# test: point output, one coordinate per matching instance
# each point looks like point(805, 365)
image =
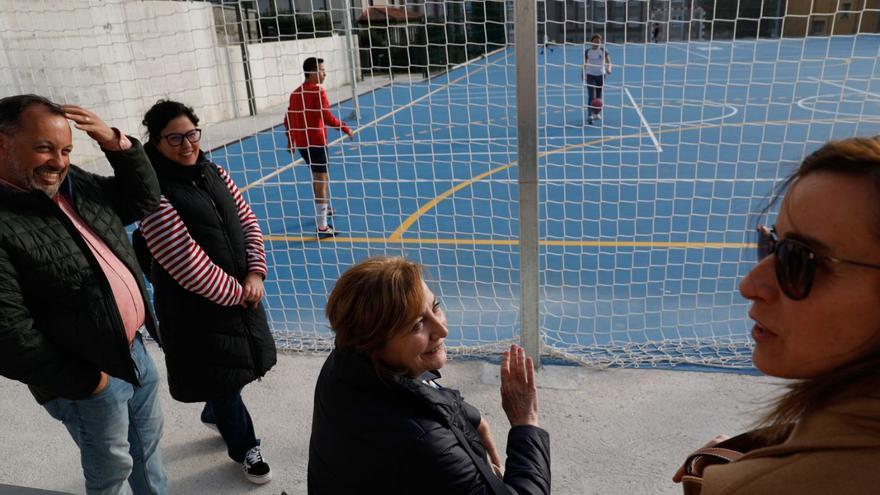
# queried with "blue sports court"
point(646, 220)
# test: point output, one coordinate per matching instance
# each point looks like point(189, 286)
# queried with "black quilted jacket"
point(393, 435)
point(211, 351)
point(59, 323)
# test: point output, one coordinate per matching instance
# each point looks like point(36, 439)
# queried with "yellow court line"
point(413, 218)
point(398, 233)
point(510, 242)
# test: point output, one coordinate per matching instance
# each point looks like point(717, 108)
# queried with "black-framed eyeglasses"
point(796, 262)
point(176, 139)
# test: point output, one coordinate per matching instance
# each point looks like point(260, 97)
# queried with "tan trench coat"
point(833, 451)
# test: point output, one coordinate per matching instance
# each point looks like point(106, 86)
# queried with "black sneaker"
point(328, 232)
point(255, 468)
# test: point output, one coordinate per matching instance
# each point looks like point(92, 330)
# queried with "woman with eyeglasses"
point(207, 269)
point(815, 296)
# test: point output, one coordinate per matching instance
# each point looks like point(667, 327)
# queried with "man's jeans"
point(234, 422)
point(118, 432)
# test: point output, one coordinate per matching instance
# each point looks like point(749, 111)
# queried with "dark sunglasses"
point(176, 139)
point(796, 262)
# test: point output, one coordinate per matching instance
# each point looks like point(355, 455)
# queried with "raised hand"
point(519, 393)
point(89, 123)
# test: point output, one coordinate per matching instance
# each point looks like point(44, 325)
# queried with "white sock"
point(321, 215)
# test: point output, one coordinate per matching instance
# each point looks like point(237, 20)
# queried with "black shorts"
point(316, 157)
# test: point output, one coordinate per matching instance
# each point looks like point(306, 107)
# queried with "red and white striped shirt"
point(175, 250)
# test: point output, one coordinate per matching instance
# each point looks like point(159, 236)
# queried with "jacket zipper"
point(254, 351)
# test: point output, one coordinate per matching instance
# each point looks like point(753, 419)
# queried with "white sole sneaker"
point(326, 234)
point(259, 480)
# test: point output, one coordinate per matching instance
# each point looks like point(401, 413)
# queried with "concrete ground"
point(612, 431)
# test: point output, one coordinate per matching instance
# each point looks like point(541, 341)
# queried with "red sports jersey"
point(308, 116)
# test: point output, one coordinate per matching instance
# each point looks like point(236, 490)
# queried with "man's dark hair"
point(12, 107)
point(310, 66)
point(164, 111)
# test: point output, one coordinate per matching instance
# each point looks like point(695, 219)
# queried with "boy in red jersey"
point(308, 116)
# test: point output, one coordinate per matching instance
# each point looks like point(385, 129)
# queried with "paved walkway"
point(612, 431)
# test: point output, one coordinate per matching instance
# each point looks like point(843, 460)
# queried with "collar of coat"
point(358, 371)
point(847, 424)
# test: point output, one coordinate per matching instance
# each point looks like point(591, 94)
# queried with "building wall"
point(120, 56)
point(825, 17)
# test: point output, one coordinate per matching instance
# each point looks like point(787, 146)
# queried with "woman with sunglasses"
point(207, 269)
point(815, 296)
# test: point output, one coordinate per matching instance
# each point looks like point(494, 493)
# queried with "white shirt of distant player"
point(594, 62)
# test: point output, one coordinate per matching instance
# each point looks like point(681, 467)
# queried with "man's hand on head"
point(89, 123)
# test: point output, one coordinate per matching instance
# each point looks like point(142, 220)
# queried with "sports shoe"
point(255, 468)
point(590, 121)
point(328, 232)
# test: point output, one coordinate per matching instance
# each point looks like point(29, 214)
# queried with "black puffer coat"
point(210, 350)
point(59, 322)
point(392, 435)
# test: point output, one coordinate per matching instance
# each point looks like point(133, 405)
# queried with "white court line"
point(815, 109)
point(843, 86)
point(645, 122)
point(688, 51)
point(263, 179)
point(461, 141)
point(596, 149)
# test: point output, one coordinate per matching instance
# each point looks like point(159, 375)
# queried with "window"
point(845, 7)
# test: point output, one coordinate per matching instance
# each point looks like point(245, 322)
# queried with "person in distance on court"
point(306, 122)
point(207, 264)
point(815, 301)
point(383, 424)
point(73, 304)
point(597, 63)
point(656, 16)
point(546, 45)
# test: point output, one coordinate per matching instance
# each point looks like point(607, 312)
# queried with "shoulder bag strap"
point(707, 456)
point(498, 486)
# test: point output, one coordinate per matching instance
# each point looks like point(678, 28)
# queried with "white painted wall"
point(276, 68)
point(117, 57)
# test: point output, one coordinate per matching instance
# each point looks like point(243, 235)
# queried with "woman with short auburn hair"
point(382, 423)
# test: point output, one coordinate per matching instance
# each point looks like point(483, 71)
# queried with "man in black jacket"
point(73, 305)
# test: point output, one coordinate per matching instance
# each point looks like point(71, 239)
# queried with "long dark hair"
point(858, 157)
